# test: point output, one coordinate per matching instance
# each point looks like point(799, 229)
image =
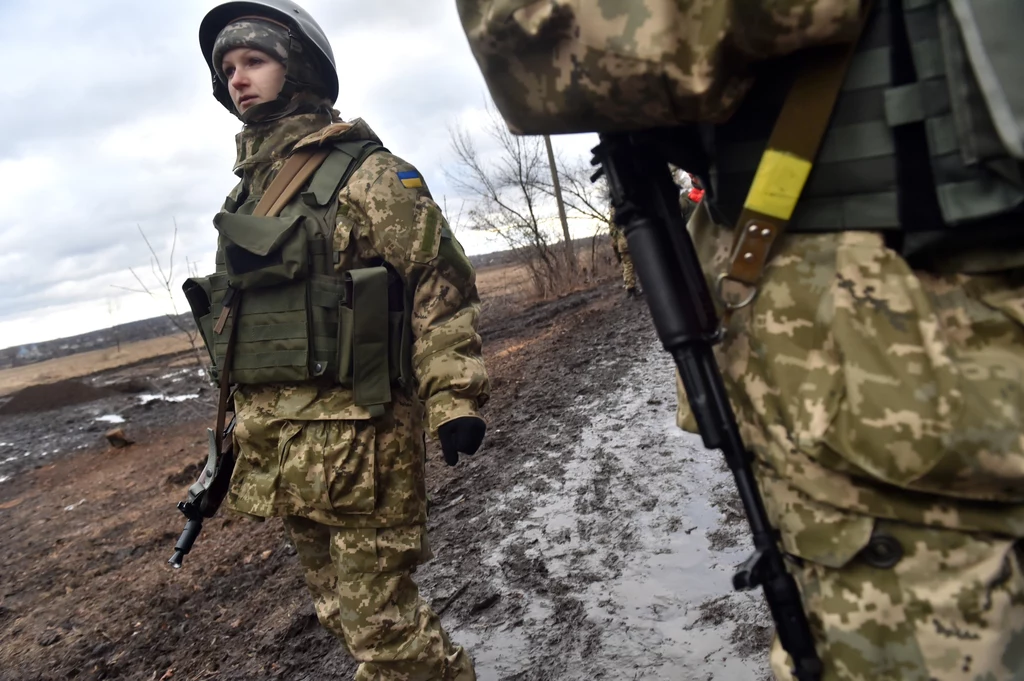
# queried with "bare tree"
point(509, 198)
point(163, 285)
point(584, 199)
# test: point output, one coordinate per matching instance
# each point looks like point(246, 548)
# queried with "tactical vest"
point(298, 318)
point(871, 172)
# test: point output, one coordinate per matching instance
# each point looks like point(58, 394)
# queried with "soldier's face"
point(253, 77)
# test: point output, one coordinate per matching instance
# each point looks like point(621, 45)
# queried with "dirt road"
point(589, 539)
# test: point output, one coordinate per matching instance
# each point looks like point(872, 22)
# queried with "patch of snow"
point(110, 418)
point(146, 398)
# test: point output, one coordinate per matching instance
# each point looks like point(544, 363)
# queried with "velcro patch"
point(410, 179)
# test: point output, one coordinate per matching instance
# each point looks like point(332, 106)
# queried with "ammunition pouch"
point(352, 330)
point(262, 251)
point(374, 338)
point(299, 320)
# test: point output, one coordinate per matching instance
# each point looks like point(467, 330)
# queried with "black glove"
point(461, 436)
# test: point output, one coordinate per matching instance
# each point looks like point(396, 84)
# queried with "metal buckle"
point(720, 282)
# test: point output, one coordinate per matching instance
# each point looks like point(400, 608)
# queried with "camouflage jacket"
point(385, 211)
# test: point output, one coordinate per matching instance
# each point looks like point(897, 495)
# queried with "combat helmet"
point(303, 26)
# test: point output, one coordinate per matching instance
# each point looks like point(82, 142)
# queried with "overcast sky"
point(108, 125)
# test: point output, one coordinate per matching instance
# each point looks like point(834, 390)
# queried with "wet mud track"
point(589, 539)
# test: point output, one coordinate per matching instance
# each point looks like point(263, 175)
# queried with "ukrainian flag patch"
point(410, 179)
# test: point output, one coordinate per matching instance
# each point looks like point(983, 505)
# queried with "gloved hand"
point(461, 436)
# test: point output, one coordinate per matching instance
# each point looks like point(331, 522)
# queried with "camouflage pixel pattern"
point(364, 594)
point(568, 66)
point(952, 609)
point(874, 398)
point(260, 34)
point(381, 218)
point(261, 149)
point(308, 450)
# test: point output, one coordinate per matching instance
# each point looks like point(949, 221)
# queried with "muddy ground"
point(589, 538)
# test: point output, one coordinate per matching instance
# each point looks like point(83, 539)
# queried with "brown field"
point(509, 281)
point(87, 363)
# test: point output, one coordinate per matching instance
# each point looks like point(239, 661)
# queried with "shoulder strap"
point(343, 160)
point(299, 167)
point(784, 168)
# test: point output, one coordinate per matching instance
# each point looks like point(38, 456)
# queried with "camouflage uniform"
point(883, 403)
point(350, 485)
point(351, 488)
point(621, 248)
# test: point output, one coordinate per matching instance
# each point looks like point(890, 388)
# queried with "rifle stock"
point(206, 494)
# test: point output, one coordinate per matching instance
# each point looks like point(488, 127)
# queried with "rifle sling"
point(784, 168)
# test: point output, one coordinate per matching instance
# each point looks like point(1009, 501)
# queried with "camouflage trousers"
point(622, 251)
point(363, 591)
point(950, 609)
point(628, 274)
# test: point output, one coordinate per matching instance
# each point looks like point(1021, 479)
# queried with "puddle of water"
point(630, 516)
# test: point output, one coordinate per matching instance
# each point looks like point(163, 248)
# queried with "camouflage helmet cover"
point(283, 11)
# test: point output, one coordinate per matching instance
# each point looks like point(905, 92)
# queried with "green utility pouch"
point(199, 296)
point(286, 334)
point(299, 320)
point(990, 33)
point(262, 251)
point(363, 338)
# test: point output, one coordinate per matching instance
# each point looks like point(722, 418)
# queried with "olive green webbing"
point(784, 168)
point(289, 179)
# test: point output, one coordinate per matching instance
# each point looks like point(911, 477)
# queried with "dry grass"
point(86, 363)
point(505, 280)
point(504, 285)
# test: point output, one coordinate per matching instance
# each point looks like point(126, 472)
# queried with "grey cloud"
point(99, 71)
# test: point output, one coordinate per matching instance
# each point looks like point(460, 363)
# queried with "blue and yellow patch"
point(410, 179)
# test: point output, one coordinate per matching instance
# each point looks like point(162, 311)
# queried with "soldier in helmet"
point(876, 364)
point(352, 313)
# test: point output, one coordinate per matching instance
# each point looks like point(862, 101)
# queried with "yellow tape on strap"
point(778, 183)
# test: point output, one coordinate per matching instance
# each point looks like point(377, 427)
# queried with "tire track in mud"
point(606, 551)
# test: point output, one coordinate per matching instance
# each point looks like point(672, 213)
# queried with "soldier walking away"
point(872, 294)
point(345, 313)
point(621, 249)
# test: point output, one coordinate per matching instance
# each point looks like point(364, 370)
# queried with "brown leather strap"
point(784, 168)
point(302, 175)
point(225, 382)
point(295, 172)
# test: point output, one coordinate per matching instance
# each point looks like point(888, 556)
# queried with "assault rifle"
point(206, 494)
point(646, 202)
